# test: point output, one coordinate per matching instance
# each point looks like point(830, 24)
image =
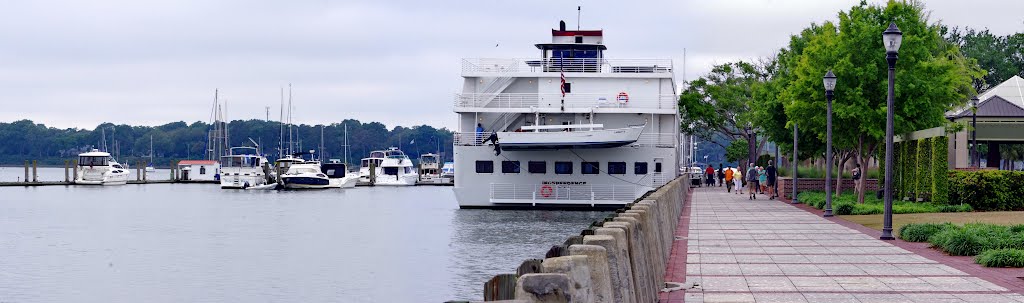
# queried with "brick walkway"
point(737, 250)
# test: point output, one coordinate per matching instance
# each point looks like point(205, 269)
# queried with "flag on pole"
point(563, 81)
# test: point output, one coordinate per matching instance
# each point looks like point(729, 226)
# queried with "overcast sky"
point(69, 63)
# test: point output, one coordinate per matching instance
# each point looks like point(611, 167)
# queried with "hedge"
point(919, 170)
point(940, 166)
point(987, 190)
point(847, 205)
point(924, 166)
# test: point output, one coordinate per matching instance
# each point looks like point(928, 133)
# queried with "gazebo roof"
point(995, 106)
point(1010, 102)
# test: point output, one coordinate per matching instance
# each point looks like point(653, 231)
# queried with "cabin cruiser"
point(430, 168)
point(373, 161)
point(395, 169)
point(448, 171)
point(305, 175)
point(99, 168)
point(243, 167)
point(571, 128)
point(339, 175)
point(282, 164)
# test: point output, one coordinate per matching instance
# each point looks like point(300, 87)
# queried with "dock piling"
point(138, 172)
point(74, 170)
point(373, 173)
point(26, 171)
point(35, 171)
point(66, 171)
point(144, 164)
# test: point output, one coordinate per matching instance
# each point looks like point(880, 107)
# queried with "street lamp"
point(830, 85)
point(750, 143)
point(796, 163)
point(891, 38)
point(975, 162)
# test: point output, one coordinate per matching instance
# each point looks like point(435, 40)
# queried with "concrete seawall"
point(620, 259)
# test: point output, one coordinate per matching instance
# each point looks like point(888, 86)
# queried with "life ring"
point(623, 98)
point(546, 190)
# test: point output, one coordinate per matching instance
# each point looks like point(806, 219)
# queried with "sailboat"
point(149, 166)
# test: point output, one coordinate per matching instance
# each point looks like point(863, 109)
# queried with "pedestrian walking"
point(728, 179)
point(721, 174)
point(856, 178)
point(772, 173)
point(737, 180)
point(709, 173)
point(752, 181)
point(762, 179)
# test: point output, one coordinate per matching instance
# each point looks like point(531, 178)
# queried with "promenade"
point(737, 250)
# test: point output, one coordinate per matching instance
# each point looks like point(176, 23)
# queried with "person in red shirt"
point(710, 173)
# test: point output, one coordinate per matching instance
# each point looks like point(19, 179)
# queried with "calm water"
point(198, 243)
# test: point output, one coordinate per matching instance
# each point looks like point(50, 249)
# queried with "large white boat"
point(243, 167)
point(99, 168)
point(374, 160)
point(396, 169)
point(339, 175)
point(570, 129)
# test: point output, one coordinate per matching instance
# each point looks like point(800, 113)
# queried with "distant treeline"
point(25, 140)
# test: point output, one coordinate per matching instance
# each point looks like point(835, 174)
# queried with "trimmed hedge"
point(919, 170)
point(924, 166)
point(940, 166)
point(847, 205)
point(987, 190)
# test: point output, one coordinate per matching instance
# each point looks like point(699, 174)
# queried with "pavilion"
point(1000, 120)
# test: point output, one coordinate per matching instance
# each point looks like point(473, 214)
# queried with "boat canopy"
point(240, 161)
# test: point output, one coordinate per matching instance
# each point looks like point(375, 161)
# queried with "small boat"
point(305, 175)
point(448, 170)
point(99, 168)
point(396, 169)
point(283, 164)
point(568, 136)
point(242, 168)
point(339, 175)
point(430, 167)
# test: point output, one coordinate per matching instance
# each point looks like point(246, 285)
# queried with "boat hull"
point(305, 182)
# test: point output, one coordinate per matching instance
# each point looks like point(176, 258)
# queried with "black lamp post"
point(891, 38)
point(796, 163)
point(750, 143)
point(830, 85)
point(975, 162)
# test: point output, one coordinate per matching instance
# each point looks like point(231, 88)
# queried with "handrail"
point(554, 65)
point(555, 100)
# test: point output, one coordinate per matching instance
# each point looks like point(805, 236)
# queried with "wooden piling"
point(501, 287)
point(144, 164)
point(26, 171)
point(74, 170)
point(35, 171)
point(373, 173)
point(66, 162)
point(138, 171)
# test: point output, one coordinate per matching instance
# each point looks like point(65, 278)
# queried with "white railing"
point(609, 100)
point(666, 140)
point(584, 192)
point(554, 65)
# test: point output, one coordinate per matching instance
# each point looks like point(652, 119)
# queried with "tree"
point(932, 77)
point(1001, 57)
point(737, 151)
point(720, 102)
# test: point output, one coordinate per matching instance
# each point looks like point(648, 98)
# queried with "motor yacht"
point(99, 168)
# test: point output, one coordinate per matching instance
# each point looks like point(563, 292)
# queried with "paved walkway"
point(737, 250)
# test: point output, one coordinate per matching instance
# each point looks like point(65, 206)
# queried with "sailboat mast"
point(346, 144)
point(291, 140)
point(280, 145)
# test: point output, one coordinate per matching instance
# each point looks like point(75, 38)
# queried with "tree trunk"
point(839, 179)
point(864, 164)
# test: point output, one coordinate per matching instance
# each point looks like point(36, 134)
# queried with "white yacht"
point(430, 168)
point(338, 174)
point(570, 129)
point(374, 160)
point(305, 175)
point(396, 169)
point(448, 171)
point(99, 168)
point(242, 167)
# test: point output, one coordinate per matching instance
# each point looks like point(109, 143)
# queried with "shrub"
point(987, 190)
point(1017, 228)
point(959, 241)
point(843, 208)
point(1001, 258)
point(940, 165)
point(920, 232)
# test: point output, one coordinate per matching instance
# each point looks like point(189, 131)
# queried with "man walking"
point(721, 174)
point(772, 173)
point(752, 181)
point(728, 179)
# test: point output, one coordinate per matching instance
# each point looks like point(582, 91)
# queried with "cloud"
point(79, 63)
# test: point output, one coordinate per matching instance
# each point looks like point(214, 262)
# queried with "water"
point(17, 174)
point(198, 243)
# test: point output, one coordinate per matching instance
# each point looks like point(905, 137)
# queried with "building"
point(1000, 121)
point(199, 170)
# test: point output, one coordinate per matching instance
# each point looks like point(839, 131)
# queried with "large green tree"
point(932, 77)
point(1001, 57)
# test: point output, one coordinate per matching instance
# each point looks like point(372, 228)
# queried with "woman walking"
point(762, 179)
point(737, 179)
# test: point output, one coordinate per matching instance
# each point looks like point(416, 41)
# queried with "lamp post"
point(796, 163)
point(830, 85)
point(975, 162)
point(891, 38)
point(750, 143)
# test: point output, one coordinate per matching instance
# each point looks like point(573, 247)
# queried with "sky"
point(73, 63)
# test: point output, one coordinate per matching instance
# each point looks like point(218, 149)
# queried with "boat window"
point(408, 170)
point(510, 167)
point(579, 39)
point(118, 166)
point(640, 168)
point(92, 161)
point(617, 168)
point(657, 167)
point(563, 168)
point(567, 87)
point(391, 171)
point(537, 167)
point(590, 168)
point(202, 170)
point(484, 167)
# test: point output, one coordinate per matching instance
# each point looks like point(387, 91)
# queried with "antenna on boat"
point(579, 11)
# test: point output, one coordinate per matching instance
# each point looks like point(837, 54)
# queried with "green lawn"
point(898, 220)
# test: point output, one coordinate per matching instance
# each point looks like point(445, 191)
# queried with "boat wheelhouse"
point(373, 161)
point(572, 128)
point(99, 168)
point(396, 169)
point(243, 167)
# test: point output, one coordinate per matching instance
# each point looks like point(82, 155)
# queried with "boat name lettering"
point(565, 182)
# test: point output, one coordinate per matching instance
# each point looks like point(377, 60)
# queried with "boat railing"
point(568, 65)
point(566, 192)
point(664, 140)
point(555, 100)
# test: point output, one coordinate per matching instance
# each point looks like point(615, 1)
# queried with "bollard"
point(501, 287)
point(66, 171)
point(74, 169)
